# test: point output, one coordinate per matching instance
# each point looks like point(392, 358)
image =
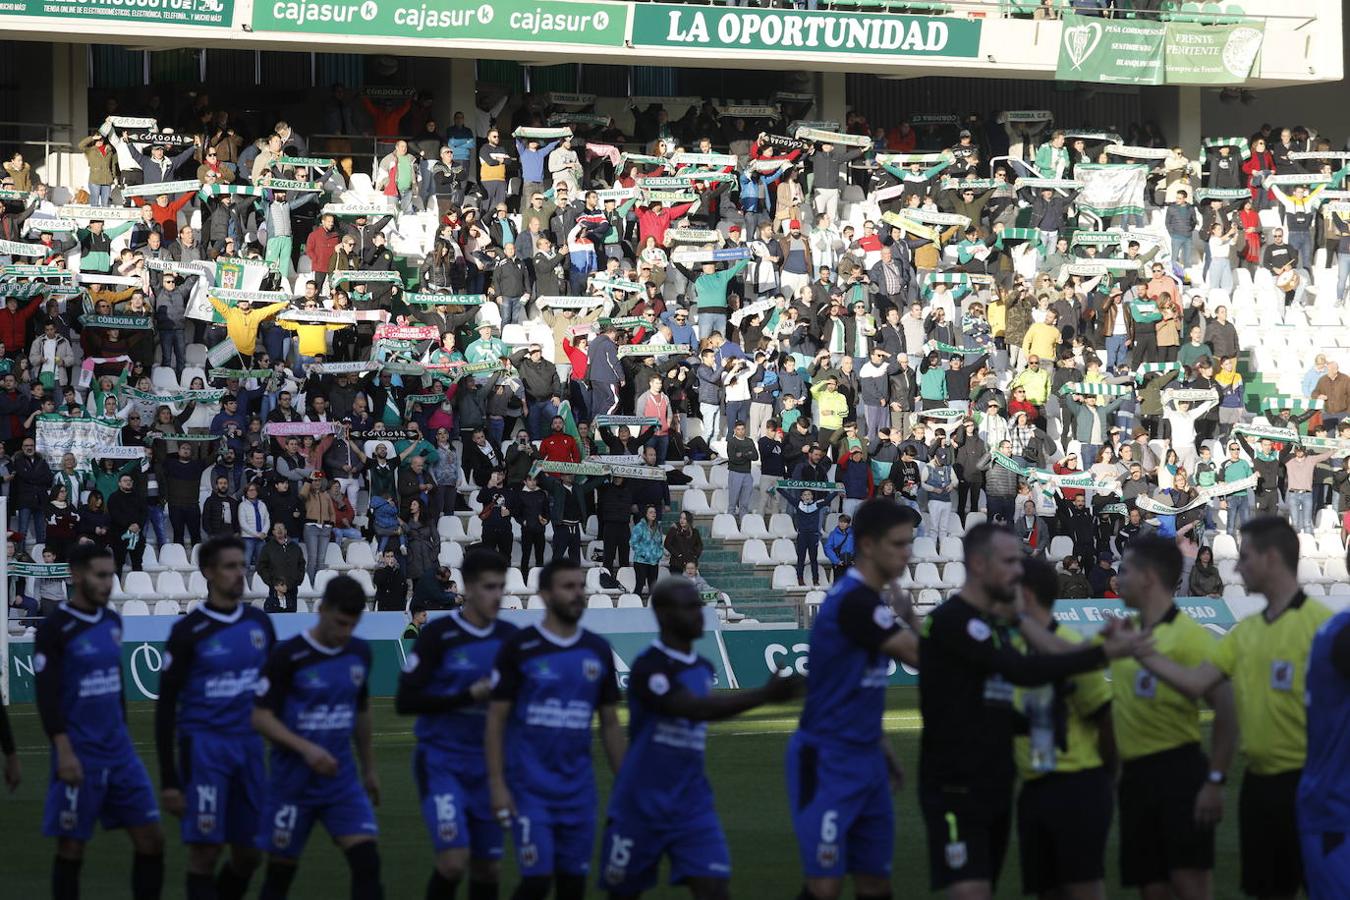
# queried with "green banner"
point(1211, 54)
point(218, 13)
point(804, 31)
point(562, 21)
point(755, 656)
point(1110, 51)
point(1140, 52)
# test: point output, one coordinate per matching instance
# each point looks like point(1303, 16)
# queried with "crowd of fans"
point(542, 325)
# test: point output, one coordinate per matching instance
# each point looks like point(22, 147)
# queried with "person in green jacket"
point(1052, 159)
point(933, 381)
point(710, 289)
point(96, 245)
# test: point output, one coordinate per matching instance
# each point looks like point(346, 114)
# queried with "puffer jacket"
point(999, 481)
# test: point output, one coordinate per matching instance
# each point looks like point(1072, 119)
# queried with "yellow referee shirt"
point(1267, 662)
point(1084, 695)
point(1149, 716)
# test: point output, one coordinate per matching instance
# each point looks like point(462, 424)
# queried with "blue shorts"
point(118, 796)
point(455, 807)
point(841, 809)
point(633, 848)
point(223, 786)
point(550, 840)
point(1326, 864)
point(287, 818)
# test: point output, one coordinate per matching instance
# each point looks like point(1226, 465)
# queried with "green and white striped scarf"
point(1239, 143)
point(1147, 369)
point(1294, 404)
point(1098, 389)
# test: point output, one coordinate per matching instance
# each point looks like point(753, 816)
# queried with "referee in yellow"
point(1170, 794)
point(1265, 657)
point(1065, 808)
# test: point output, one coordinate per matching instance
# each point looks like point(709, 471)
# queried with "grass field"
point(745, 760)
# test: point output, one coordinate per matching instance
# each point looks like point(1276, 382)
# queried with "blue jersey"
point(555, 687)
point(206, 685)
point(449, 657)
point(662, 777)
point(846, 681)
point(316, 692)
point(77, 663)
point(1324, 791)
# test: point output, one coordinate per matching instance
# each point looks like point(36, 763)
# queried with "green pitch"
point(745, 761)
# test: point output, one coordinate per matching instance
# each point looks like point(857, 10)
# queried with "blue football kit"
point(203, 731)
point(316, 692)
point(555, 686)
point(838, 778)
point(77, 665)
point(662, 803)
point(1324, 789)
point(449, 767)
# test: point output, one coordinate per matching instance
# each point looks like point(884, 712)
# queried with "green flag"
point(570, 425)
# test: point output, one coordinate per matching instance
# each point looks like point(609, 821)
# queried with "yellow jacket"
point(831, 406)
point(1041, 340)
point(242, 326)
point(313, 336)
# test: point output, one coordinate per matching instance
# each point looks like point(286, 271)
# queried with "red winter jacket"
point(320, 247)
point(13, 324)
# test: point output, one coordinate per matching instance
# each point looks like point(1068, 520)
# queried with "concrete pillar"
point(831, 98)
point(69, 108)
point(1189, 131)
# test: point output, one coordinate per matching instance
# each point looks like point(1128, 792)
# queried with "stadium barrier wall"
point(742, 658)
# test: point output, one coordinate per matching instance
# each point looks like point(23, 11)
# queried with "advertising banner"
point(564, 21)
point(1211, 54)
point(657, 25)
point(213, 13)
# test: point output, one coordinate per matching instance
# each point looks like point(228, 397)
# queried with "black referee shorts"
point(1272, 857)
point(1062, 823)
point(967, 838)
point(1158, 834)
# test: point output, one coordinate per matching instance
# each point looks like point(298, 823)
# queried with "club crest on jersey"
point(117, 635)
point(1281, 675)
point(281, 838)
point(529, 855)
point(358, 673)
point(956, 855)
point(827, 854)
point(448, 831)
point(257, 638)
point(614, 875)
point(69, 819)
point(206, 822)
point(1145, 685)
point(591, 669)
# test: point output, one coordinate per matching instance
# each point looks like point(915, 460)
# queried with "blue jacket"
point(856, 479)
point(604, 361)
point(532, 161)
point(838, 545)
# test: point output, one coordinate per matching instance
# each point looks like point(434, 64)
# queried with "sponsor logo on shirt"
point(338, 717)
point(551, 713)
point(229, 685)
point(101, 682)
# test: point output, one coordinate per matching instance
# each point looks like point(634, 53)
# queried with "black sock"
point(885, 896)
point(364, 861)
point(570, 887)
point(277, 882)
point(441, 888)
point(147, 876)
point(230, 885)
point(201, 887)
point(536, 887)
point(482, 890)
point(66, 879)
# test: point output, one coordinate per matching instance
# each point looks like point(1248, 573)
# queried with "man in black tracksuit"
point(968, 669)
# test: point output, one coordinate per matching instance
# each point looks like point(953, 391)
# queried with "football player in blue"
point(313, 704)
point(446, 683)
point(210, 758)
point(95, 774)
point(1324, 788)
point(550, 680)
point(839, 764)
point(662, 803)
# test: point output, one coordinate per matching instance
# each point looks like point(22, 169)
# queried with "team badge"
point(358, 674)
point(1281, 675)
point(1145, 685)
point(591, 669)
point(529, 855)
point(658, 684)
point(448, 831)
point(827, 854)
point(69, 819)
point(206, 823)
point(257, 638)
point(613, 875)
point(956, 855)
point(281, 838)
point(117, 635)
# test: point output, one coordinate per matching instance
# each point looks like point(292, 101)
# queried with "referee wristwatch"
point(1217, 777)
